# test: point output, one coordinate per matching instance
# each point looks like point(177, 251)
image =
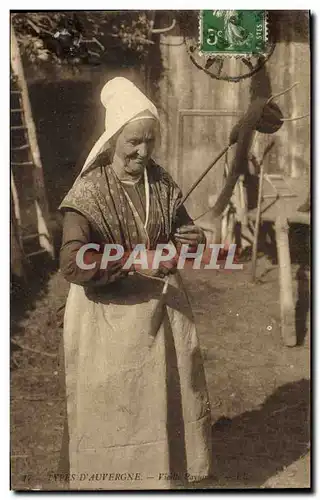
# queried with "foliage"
point(86, 37)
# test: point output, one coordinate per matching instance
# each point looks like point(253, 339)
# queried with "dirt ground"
point(259, 389)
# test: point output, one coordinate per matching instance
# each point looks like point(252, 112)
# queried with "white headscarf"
point(123, 102)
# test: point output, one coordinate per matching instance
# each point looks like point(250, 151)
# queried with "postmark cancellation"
point(233, 32)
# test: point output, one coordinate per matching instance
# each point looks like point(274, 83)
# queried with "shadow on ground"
point(256, 445)
point(24, 293)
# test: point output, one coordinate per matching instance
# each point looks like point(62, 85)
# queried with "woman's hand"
point(168, 267)
point(190, 235)
point(164, 267)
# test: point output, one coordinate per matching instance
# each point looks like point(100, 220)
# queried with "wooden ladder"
point(27, 181)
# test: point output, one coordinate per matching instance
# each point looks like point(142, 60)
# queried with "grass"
point(259, 389)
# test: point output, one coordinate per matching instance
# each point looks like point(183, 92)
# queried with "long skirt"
point(137, 402)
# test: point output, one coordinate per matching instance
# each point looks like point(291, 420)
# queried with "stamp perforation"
point(228, 54)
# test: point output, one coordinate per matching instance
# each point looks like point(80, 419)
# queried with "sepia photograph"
point(160, 250)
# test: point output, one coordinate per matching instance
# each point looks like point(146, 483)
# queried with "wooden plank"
point(294, 218)
point(15, 201)
point(17, 257)
point(22, 163)
point(18, 263)
point(38, 252)
point(40, 196)
point(270, 207)
point(20, 148)
point(287, 309)
point(18, 127)
point(31, 236)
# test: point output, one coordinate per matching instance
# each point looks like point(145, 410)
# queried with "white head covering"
point(123, 102)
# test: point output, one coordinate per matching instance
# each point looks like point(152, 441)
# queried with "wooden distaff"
point(197, 182)
point(159, 311)
point(263, 116)
point(287, 311)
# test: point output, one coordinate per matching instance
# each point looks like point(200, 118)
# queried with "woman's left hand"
point(190, 235)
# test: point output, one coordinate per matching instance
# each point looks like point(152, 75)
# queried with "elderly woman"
point(137, 403)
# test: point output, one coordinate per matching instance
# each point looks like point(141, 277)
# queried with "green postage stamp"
point(233, 32)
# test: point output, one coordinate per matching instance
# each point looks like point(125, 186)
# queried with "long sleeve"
point(182, 218)
point(76, 233)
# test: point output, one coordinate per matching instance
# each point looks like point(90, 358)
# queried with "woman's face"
point(135, 145)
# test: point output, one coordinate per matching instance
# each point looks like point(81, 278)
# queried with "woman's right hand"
point(168, 267)
point(164, 268)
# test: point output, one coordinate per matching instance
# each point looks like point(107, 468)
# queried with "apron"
point(137, 403)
